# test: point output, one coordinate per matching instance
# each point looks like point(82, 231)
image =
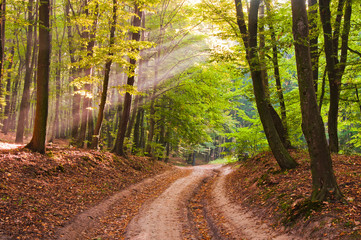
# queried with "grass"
point(225, 160)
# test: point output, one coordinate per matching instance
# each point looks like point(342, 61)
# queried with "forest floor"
point(70, 193)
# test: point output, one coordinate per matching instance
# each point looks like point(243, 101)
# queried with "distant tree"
point(324, 183)
point(37, 142)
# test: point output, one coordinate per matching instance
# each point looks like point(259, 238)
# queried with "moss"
point(302, 209)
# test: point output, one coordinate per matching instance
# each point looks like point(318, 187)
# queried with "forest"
point(181, 79)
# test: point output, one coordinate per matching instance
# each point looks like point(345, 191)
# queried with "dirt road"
point(165, 215)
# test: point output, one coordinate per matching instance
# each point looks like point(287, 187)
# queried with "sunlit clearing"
point(7, 146)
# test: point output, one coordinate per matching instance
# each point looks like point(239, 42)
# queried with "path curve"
point(166, 217)
point(90, 218)
point(239, 223)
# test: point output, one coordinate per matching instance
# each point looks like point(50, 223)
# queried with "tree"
point(25, 98)
point(95, 139)
point(335, 67)
point(7, 110)
point(249, 37)
point(324, 183)
point(314, 32)
point(119, 144)
point(88, 35)
point(2, 39)
point(37, 142)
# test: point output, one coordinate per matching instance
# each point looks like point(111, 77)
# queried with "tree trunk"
point(323, 86)
point(151, 127)
point(335, 68)
point(132, 118)
point(8, 89)
point(25, 99)
point(89, 36)
point(2, 41)
point(283, 158)
point(136, 132)
point(37, 143)
point(96, 134)
point(90, 126)
point(142, 131)
point(13, 100)
point(324, 183)
point(56, 128)
point(280, 123)
point(119, 144)
point(75, 107)
point(84, 117)
point(194, 158)
point(314, 32)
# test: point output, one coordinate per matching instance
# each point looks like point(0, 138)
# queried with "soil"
point(239, 223)
point(166, 216)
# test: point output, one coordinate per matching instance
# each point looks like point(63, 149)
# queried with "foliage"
point(225, 160)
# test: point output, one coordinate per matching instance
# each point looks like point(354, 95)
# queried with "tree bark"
point(282, 127)
point(313, 17)
point(136, 132)
point(8, 89)
point(25, 99)
point(89, 36)
point(2, 41)
point(13, 99)
point(283, 158)
point(103, 99)
point(335, 68)
point(119, 144)
point(75, 107)
point(37, 143)
point(323, 86)
point(56, 132)
point(324, 183)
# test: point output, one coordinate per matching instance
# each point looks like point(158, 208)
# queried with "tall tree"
point(249, 37)
point(2, 40)
point(119, 143)
point(8, 88)
point(76, 96)
point(281, 125)
point(313, 17)
point(37, 142)
point(324, 183)
point(95, 139)
point(335, 67)
point(89, 37)
point(25, 98)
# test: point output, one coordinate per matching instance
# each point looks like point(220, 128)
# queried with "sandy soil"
point(166, 217)
point(239, 223)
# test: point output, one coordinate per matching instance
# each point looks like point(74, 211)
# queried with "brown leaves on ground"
point(39, 193)
point(113, 224)
point(272, 194)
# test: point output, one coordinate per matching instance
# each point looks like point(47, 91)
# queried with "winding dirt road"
point(166, 215)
